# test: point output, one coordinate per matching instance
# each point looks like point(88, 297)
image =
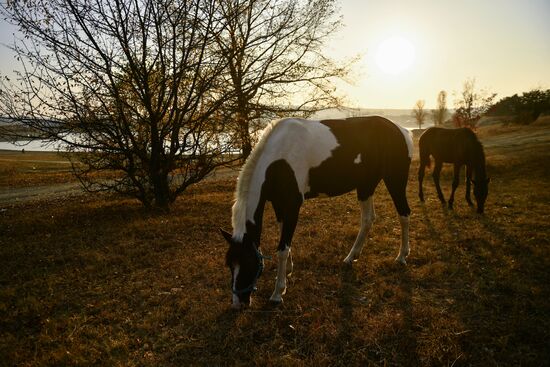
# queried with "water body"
point(46, 146)
point(32, 145)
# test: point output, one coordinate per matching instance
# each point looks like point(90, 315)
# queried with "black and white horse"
point(460, 147)
point(297, 159)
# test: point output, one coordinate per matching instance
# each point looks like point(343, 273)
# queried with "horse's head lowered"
point(481, 190)
point(246, 263)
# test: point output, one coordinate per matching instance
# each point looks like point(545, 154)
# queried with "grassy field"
point(27, 169)
point(99, 281)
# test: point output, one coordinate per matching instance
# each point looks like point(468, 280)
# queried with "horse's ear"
point(228, 237)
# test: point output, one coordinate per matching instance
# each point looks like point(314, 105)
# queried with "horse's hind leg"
point(436, 174)
point(456, 178)
point(397, 187)
point(289, 262)
point(367, 218)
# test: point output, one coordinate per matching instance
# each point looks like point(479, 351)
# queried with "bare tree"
point(471, 105)
point(133, 86)
point(440, 113)
point(275, 63)
point(419, 112)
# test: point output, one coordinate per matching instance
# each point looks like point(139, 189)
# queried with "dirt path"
point(24, 194)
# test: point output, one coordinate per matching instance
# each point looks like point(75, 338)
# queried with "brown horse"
point(460, 147)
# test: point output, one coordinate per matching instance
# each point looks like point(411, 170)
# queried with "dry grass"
point(99, 281)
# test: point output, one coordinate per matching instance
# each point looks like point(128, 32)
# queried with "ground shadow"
point(408, 341)
point(432, 233)
point(494, 285)
point(402, 343)
point(347, 294)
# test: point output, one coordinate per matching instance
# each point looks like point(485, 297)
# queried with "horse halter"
point(252, 286)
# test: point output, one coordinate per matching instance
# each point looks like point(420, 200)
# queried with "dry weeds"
point(99, 281)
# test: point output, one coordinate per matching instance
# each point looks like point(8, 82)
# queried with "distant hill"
point(6, 121)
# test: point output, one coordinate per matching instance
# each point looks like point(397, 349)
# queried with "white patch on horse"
point(357, 159)
point(408, 138)
point(303, 144)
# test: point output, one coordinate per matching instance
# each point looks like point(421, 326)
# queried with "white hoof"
point(349, 260)
point(277, 295)
point(276, 299)
point(401, 260)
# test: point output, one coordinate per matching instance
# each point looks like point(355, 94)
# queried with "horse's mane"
point(478, 146)
point(238, 218)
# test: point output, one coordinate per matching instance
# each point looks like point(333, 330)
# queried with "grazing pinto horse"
point(298, 159)
point(458, 146)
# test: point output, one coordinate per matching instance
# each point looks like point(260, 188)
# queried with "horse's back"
point(447, 145)
point(332, 156)
point(368, 149)
point(446, 134)
point(313, 141)
point(372, 132)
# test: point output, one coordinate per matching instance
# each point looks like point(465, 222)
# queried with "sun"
point(395, 55)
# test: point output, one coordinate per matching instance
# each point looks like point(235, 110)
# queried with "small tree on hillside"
point(419, 112)
point(275, 62)
point(440, 113)
point(133, 86)
point(533, 103)
point(471, 105)
point(523, 109)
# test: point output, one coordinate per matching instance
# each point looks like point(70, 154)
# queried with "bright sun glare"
point(394, 55)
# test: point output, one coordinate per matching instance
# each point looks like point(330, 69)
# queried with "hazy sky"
point(433, 45)
point(504, 44)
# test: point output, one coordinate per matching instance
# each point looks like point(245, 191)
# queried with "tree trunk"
point(246, 147)
point(157, 174)
point(244, 127)
point(161, 190)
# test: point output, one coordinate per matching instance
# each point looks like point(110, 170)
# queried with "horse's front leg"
point(468, 184)
point(283, 255)
point(456, 178)
point(421, 172)
point(280, 281)
point(436, 174)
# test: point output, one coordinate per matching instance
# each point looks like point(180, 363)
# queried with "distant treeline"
point(523, 109)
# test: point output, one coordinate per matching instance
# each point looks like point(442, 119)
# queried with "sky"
point(503, 44)
point(410, 50)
